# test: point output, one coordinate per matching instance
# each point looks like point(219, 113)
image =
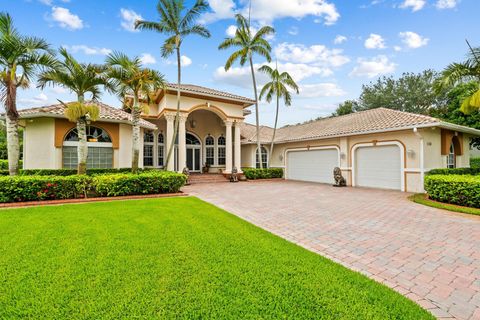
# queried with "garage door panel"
point(378, 167)
point(312, 165)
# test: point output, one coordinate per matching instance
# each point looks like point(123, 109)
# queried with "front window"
point(451, 157)
point(264, 158)
point(209, 150)
point(161, 150)
point(148, 142)
point(100, 151)
point(221, 150)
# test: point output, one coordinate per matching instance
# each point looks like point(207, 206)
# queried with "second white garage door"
point(378, 167)
point(312, 165)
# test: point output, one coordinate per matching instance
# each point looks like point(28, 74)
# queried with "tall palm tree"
point(249, 44)
point(82, 79)
point(177, 22)
point(466, 71)
point(128, 77)
point(20, 58)
point(277, 87)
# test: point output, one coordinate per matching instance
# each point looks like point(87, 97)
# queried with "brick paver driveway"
point(429, 255)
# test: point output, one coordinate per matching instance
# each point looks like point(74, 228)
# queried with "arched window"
point(161, 150)
point(191, 139)
point(209, 150)
point(148, 143)
point(264, 156)
point(451, 163)
point(221, 142)
point(100, 151)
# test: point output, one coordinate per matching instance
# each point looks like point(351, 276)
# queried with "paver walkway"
point(429, 255)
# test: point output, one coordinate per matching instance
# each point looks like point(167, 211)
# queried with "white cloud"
point(397, 48)
point(128, 19)
point(38, 100)
point(373, 67)
point(90, 51)
point(147, 58)
point(66, 19)
point(340, 39)
point(293, 31)
point(375, 41)
point(231, 30)
point(446, 4)
point(221, 9)
point(185, 61)
point(317, 90)
point(415, 5)
point(413, 40)
point(317, 55)
point(46, 2)
point(58, 90)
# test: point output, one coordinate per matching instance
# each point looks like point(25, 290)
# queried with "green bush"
point(267, 173)
point(69, 172)
point(474, 162)
point(455, 171)
point(144, 183)
point(32, 188)
point(4, 164)
point(463, 190)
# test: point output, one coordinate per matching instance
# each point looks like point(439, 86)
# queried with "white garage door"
point(312, 165)
point(378, 167)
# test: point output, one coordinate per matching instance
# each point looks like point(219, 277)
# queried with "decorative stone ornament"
point(234, 175)
point(339, 179)
point(186, 172)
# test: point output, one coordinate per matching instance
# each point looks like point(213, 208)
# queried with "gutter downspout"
point(422, 159)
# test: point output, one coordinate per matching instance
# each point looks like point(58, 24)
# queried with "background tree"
point(466, 71)
point(411, 93)
point(127, 77)
point(82, 79)
point(177, 22)
point(249, 44)
point(346, 107)
point(20, 59)
point(277, 88)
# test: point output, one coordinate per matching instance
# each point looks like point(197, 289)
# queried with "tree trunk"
point(136, 112)
point(177, 115)
point(13, 145)
point(82, 149)
point(274, 132)
point(257, 118)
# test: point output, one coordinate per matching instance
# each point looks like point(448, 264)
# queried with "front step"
point(207, 178)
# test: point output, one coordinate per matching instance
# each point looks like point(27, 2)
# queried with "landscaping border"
point(423, 199)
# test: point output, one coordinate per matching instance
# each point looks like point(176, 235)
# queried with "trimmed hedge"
point(455, 171)
point(463, 190)
point(4, 164)
point(475, 162)
point(34, 188)
point(267, 173)
point(70, 172)
point(111, 185)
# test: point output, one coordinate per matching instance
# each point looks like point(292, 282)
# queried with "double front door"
point(193, 158)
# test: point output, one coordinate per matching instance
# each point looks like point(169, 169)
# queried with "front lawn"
point(172, 258)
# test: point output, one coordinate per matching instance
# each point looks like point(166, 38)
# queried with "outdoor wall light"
point(411, 153)
point(193, 123)
point(280, 157)
point(343, 155)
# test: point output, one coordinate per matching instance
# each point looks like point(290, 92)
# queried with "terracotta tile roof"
point(107, 113)
point(375, 120)
point(208, 91)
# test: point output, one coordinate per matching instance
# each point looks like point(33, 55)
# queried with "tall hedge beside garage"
point(265, 173)
point(463, 190)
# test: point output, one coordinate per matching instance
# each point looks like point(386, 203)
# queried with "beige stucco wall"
point(123, 155)
point(39, 148)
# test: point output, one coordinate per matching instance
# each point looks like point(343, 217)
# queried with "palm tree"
point(128, 78)
point(249, 44)
point(20, 58)
point(82, 79)
point(463, 72)
point(277, 87)
point(177, 22)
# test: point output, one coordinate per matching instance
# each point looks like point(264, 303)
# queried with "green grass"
point(422, 199)
point(172, 258)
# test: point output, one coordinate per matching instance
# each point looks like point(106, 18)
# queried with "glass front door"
point(193, 159)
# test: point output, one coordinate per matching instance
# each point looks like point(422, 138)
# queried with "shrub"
point(474, 162)
point(31, 188)
point(463, 190)
point(455, 171)
point(122, 184)
point(70, 172)
point(267, 173)
point(4, 164)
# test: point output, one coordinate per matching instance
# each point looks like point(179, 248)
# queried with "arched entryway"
point(194, 152)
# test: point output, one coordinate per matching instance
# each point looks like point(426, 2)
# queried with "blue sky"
point(330, 47)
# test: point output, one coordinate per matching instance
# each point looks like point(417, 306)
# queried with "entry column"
point(170, 117)
point(237, 154)
point(228, 146)
point(182, 145)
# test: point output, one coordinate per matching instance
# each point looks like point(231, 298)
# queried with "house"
point(380, 148)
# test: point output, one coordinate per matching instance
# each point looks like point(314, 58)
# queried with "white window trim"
point(89, 144)
point(380, 143)
point(307, 149)
point(215, 151)
point(157, 148)
point(255, 156)
point(153, 143)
